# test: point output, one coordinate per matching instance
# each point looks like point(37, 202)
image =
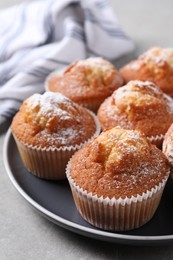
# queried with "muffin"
point(48, 129)
point(117, 179)
point(155, 65)
point(168, 148)
point(87, 82)
point(141, 106)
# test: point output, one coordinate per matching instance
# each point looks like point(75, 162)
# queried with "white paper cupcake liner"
point(157, 140)
point(116, 214)
point(167, 149)
point(50, 163)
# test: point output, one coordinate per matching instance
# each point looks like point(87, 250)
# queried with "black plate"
point(54, 200)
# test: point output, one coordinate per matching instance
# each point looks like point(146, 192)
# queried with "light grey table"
point(24, 234)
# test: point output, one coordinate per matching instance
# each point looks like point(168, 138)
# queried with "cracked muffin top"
point(154, 65)
point(138, 105)
point(86, 81)
point(118, 163)
point(52, 120)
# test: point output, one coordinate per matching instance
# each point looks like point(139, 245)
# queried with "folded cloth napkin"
point(37, 37)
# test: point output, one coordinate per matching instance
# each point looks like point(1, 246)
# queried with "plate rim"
point(77, 228)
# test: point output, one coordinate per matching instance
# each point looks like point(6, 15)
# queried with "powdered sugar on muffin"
point(155, 65)
point(87, 82)
point(52, 119)
point(48, 129)
point(117, 179)
point(138, 105)
point(118, 163)
point(157, 55)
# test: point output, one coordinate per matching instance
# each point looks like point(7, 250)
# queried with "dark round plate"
point(54, 200)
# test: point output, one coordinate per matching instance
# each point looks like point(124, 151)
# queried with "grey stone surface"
point(24, 234)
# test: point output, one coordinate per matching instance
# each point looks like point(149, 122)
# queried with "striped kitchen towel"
point(37, 37)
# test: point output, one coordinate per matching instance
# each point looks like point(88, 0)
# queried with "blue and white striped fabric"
point(37, 37)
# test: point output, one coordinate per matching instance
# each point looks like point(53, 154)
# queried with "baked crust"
point(168, 147)
point(118, 163)
point(52, 120)
point(138, 105)
point(87, 81)
point(155, 65)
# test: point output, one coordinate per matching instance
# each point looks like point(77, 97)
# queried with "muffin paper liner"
point(116, 214)
point(157, 140)
point(167, 149)
point(50, 163)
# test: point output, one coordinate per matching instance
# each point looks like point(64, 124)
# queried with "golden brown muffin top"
point(157, 56)
point(154, 65)
point(87, 79)
point(138, 105)
point(52, 120)
point(118, 163)
point(168, 145)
